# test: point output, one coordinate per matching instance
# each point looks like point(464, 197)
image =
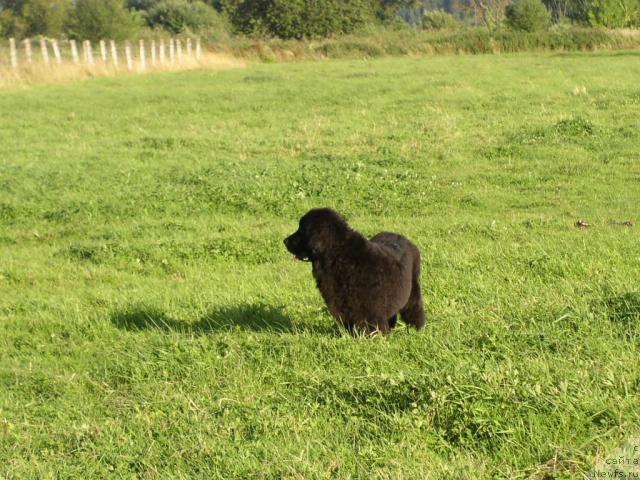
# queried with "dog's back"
point(405, 251)
point(395, 243)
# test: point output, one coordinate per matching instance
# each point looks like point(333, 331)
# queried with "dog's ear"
point(325, 228)
point(317, 241)
point(325, 236)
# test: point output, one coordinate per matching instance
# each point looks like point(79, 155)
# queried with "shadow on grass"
point(624, 310)
point(247, 317)
point(602, 53)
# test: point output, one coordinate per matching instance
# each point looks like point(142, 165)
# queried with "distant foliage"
point(12, 25)
point(299, 18)
point(184, 16)
point(389, 10)
point(216, 4)
point(439, 20)
point(46, 17)
point(614, 13)
point(528, 15)
point(34, 17)
point(490, 13)
point(567, 10)
point(179, 16)
point(141, 4)
point(96, 19)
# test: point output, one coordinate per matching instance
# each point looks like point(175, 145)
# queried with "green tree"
point(217, 4)
point(528, 15)
point(439, 20)
point(14, 5)
point(97, 19)
point(46, 17)
point(12, 25)
point(179, 16)
point(141, 4)
point(388, 10)
point(299, 18)
point(22, 18)
point(614, 13)
point(575, 10)
point(489, 13)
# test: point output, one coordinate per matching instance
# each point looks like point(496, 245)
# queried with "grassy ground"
point(152, 324)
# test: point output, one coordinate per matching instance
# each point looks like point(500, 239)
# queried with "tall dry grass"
point(628, 32)
point(38, 73)
point(425, 42)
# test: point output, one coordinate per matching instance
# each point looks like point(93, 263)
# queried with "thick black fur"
point(365, 283)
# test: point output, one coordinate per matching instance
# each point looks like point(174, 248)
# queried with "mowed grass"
point(152, 324)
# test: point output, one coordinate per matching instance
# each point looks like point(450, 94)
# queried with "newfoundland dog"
point(365, 283)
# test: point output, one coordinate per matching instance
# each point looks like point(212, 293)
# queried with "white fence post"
point(14, 52)
point(163, 56)
point(114, 53)
point(27, 50)
point(88, 52)
point(143, 56)
point(172, 51)
point(103, 51)
point(179, 50)
point(44, 51)
point(56, 51)
point(198, 49)
point(74, 51)
point(127, 53)
point(153, 53)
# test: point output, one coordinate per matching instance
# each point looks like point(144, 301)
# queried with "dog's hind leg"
point(413, 312)
point(392, 321)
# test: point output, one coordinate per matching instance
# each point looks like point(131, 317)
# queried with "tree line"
point(213, 19)
point(115, 19)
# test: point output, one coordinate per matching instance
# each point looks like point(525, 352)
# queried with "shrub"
point(528, 15)
point(179, 16)
point(96, 19)
point(439, 20)
point(299, 18)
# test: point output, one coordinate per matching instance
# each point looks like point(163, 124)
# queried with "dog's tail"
point(413, 312)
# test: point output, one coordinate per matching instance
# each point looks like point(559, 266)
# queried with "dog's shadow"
point(247, 317)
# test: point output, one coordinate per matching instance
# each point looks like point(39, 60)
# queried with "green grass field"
point(152, 324)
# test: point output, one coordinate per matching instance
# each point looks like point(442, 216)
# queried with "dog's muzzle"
point(292, 243)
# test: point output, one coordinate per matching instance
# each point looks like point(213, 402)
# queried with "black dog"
point(365, 283)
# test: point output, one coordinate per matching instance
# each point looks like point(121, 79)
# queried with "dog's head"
point(320, 230)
